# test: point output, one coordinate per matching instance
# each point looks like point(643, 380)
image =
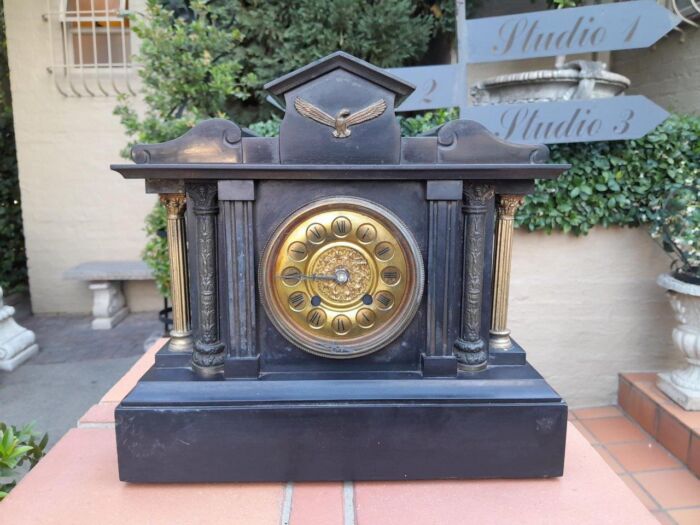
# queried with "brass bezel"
point(379, 336)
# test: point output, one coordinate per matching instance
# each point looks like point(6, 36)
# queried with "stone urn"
point(577, 80)
point(683, 386)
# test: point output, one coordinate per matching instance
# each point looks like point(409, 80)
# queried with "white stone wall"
point(586, 308)
point(74, 208)
point(668, 72)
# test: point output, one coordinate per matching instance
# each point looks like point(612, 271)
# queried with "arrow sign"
point(615, 118)
point(606, 27)
point(436, 86)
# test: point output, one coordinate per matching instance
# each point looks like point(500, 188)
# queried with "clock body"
point(339, 285)
point(342, 277)
point(372, 323)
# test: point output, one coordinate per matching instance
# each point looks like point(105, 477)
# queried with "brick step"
point(675, 428)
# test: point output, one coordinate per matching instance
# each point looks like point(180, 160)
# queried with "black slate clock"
point(340, 288)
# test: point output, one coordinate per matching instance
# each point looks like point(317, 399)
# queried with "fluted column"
point(181, 334)
point(470, 348)
point(208, 356)
point(506, 207)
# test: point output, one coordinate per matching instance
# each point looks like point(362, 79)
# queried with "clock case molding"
point(246, 404)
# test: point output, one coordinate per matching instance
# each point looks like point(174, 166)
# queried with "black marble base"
point(502, 422)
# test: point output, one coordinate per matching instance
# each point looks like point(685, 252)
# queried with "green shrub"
point(622, 183)
point(18, 448)
point(155, 254)
point(677, 228)
point(13, 259)
point(210, 59)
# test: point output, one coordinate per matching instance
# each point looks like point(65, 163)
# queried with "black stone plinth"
point(502, 422)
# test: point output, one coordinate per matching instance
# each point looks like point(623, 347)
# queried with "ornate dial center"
point(342, 277)
point(351, 270)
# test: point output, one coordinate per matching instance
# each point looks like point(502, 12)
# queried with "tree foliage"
point(13, 258)
point(203, 59)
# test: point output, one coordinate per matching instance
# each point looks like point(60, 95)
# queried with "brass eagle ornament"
point(343, 119)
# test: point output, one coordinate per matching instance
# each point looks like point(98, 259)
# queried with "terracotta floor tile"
point(99, 415)
point(89, 492)
point(639, 377)
point(651, 390)
point(584, 432)
point(644, 410)
point(638, 491)
point(596, 412)
point(638, 457)
point(686, 516)
point(317, 504)
point(671, 488)
point(570, 415)
point(624, 388)
point(614, 429)
point(663, 518)
point(688, 418)
point(609, 459)
point(694, 454)
point(673, 435)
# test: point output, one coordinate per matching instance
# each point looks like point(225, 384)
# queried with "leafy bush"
point(13, 259)
point(677, 227)
point(210, 59)
point(155, 254)
point(17, 448)
point(282, 36)
point(621, 183)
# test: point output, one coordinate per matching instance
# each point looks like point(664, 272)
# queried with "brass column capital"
point(506, 206)
point(174, 204)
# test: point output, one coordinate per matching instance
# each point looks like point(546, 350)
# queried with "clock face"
point(342, 277)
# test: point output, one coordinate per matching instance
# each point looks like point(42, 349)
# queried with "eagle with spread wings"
point(343, 119)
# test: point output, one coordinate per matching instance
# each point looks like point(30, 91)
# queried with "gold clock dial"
point(342, 277)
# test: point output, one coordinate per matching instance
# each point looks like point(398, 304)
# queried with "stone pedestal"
point(683, 386)
point(109, 306)
point(17, 344)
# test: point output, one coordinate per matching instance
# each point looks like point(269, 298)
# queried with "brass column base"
point(500, 339)
point(181, 341)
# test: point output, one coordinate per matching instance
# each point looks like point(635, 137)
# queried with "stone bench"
point(106, 278)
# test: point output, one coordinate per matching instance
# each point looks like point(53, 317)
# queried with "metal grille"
point(91, 47)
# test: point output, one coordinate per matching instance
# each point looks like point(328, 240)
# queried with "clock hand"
point(341, 276)
point(312, 277)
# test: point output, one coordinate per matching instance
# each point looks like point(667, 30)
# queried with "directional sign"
point(436, 86)
point(614, 118)
point(605, 27)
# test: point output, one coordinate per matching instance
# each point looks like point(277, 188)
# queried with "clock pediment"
point(340, 110)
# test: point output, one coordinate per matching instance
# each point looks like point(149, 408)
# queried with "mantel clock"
point(339, 298)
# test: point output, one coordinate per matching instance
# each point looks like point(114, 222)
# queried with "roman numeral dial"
point(341, 278)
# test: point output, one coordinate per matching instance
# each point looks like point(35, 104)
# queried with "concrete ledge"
point(77, 483)
point(110, 271)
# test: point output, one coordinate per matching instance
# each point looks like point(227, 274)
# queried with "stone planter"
point(683, 386)
point(576, 80)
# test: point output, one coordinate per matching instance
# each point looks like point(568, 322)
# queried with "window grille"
point(91, 47)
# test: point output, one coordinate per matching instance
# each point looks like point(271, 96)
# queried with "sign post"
point(605, 27)
point(613, 118)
